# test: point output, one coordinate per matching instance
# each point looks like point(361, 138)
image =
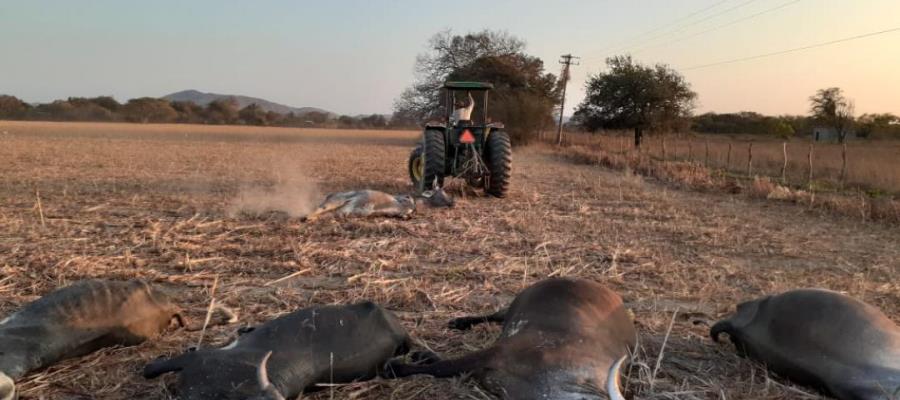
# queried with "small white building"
point(827, 133)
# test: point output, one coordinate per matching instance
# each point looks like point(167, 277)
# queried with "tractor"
point(478, 152)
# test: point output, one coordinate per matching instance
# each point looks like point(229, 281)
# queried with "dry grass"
point(872, 166)
point(152, 202)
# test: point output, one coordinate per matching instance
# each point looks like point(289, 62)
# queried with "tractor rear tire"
point(435, 159)
point(498, 157)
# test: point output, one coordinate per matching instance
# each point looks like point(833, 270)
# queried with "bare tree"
point(448, 53)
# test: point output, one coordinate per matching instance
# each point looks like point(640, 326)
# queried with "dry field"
point(873, 166)
point(182, 205)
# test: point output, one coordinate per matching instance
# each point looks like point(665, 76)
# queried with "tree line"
point(828, 107)
point(154, 110)
point(658, 99)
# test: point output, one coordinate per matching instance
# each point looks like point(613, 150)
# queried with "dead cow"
point(822, 339)
point(328, 344)
point(365, 203)
point(559, 339)
point(78, 320)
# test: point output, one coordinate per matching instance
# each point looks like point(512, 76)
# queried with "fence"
point(869, 165)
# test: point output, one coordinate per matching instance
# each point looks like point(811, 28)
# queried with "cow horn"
point(612, 380)
point(262, 375)
point(7, 388)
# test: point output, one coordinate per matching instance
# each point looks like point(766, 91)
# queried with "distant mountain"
point(243, 101)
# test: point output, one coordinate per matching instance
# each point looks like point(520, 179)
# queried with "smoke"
point(292, 192)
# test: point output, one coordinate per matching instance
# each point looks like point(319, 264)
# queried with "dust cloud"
point(287, 189)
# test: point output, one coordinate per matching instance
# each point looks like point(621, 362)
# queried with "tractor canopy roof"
point(468, 86)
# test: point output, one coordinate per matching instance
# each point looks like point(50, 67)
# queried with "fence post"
point(728, 158)
point(750, 159)
point(706, 156)
point(664, 147)
point(784, 165)
point(809, 158)
point(843, 163)
point(690, 150)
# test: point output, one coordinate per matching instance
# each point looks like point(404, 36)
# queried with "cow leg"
point(326, 207)
point(441, 368)
point(163, 365)
point(466, 323)
point(424, 357)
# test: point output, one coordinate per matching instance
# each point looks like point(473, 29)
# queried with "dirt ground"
point(182, 206)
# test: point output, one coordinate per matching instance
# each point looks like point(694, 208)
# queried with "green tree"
point(778, 127)
point(638, 97)
point(149, 109)
point(524, 95)
point(448, 53)
point(831, 108)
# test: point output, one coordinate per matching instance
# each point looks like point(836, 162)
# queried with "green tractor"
point(479, 152)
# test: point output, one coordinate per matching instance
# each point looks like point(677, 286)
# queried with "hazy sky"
point(356, 56)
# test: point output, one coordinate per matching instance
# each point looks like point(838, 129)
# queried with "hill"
point(203, 99)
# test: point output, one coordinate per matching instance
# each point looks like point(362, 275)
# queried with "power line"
point(737, 21)
point(681, 29)
point(777, 53)
point(675, 22)
point(566, 60)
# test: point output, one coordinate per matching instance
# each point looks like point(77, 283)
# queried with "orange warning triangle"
point(466, 137)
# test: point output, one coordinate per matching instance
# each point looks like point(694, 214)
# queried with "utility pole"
point(566, 60)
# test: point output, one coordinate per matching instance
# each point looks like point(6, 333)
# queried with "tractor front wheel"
point(427, 161)
point(498, 157)
point(416, 165)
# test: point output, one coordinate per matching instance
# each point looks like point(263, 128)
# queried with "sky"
point(355, 57)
